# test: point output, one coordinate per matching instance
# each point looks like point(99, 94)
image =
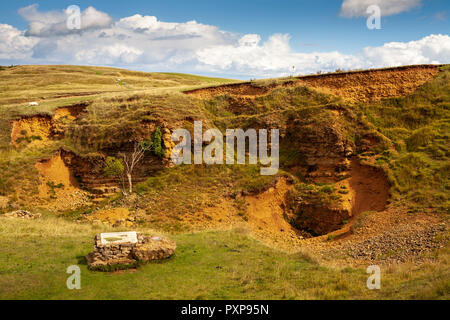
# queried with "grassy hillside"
point(21, 84)
point(401, 141)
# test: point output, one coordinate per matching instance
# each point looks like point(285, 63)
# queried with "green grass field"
point(207, 265)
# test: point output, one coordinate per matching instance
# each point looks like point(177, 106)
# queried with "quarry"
point(355, 172)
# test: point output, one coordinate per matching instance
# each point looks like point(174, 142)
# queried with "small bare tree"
point(125, 166)
point(131, 160)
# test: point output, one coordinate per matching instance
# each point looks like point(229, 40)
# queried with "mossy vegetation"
point(156, 143)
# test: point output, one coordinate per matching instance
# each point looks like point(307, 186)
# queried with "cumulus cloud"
point(145, 43)
point(358, 8)
point(14, 43)
point(45, 24)
point(273, 57)
point(433, 49)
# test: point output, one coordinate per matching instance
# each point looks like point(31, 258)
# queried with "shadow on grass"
point(81, 260)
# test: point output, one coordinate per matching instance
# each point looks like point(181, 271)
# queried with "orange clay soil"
point(112, 216)
point(71, 113)
point(263, 217)
point(58, 186)
point(31, 127)
point(362, 86)
point(368, 191)
point(41, 127)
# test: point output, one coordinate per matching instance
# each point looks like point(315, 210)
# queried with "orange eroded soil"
point(58, 186)
point(263, 217)
point(368, 190)
point(31, 127)
point(71, 113)
point(362, 86)
point(265, 214)
point(111, 216)
point(43, 127)
point(372, 85)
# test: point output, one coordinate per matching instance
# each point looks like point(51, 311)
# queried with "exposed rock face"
point(321, 210)
point(323, 144)
point(367, 85)
point(318, 212)
point(23, 214)
point(121, 255)
point(88, 171)
point(372, 85)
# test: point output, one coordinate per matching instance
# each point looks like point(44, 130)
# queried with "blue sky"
point(313, 27)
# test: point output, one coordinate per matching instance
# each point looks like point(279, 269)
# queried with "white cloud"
point(45, 24)
point(145, 43)
point(14, 44)
point(273, 57)
point(138, 22)
point(431, 49)
point(358, 8)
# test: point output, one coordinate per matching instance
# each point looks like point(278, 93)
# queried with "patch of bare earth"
point(261, 215)
point(42, 127)
point(58, 189)
point(36, 128)
point(115, 217)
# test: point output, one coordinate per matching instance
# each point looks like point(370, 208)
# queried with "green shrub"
point(113, 167)
point(157, 145)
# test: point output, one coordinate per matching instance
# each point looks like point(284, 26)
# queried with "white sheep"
point(33, 104)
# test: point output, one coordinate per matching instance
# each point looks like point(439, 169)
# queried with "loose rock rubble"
point(123, 255)
point(399, 245)
point(23, 215)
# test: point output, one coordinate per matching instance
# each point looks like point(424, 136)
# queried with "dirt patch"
point(70, 113)
point(44, 127)
point(58, 186)
point(4, 202)
point(117, 216)
point(265, 213)
point(262, 216)
point(31, 129)
point(363, 86)
point(63, 117)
